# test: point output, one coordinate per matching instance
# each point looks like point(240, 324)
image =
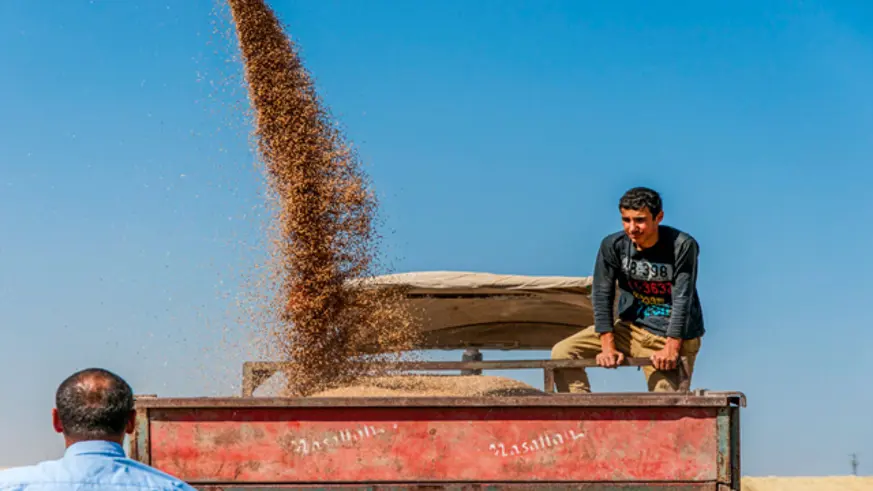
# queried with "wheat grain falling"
point(325, 329)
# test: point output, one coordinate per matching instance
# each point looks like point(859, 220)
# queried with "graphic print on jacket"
point(651, 284)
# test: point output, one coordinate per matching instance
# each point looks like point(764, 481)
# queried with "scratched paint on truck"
point(287, 445)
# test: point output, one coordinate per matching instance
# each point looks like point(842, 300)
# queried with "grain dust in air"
point(329, 332)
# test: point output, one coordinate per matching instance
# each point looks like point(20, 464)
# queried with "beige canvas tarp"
point(493, 311)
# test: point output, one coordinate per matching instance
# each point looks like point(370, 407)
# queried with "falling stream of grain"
point(323, 328)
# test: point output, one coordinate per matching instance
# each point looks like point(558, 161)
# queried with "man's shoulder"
point(123, 472)
point(14, 473)
point(14, 477)
point(159, 477)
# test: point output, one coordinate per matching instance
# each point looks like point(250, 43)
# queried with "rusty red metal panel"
point(436, 444)
point(474, 487)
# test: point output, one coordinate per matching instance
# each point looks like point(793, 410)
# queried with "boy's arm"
point(603, 288)
point(684, 281)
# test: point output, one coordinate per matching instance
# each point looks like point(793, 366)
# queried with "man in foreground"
point(659, 312)
point(94, 411)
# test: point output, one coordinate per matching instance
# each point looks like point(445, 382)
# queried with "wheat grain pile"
point(325, 221)
point(433, 386)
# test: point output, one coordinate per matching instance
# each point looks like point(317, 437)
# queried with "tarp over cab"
point(494, 311)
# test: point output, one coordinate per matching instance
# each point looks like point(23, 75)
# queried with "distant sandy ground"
point(847, 483)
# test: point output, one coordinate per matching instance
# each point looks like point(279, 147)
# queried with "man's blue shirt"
point(90, 466)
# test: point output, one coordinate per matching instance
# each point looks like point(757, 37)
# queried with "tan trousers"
point(630, 339)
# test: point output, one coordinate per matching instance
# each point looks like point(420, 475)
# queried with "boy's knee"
point(561, 351)
point(576, 346)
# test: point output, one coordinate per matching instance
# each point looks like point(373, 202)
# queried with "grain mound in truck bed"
point(433, 386)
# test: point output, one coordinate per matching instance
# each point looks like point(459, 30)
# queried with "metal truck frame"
point(685, 441)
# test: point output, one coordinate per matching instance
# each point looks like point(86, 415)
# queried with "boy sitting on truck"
point(659, 312)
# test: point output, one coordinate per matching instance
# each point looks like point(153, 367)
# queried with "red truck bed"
point(598, 441)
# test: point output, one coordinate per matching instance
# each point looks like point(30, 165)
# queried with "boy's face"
point(640, 226)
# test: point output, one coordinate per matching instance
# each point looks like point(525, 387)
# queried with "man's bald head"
point(94, 404)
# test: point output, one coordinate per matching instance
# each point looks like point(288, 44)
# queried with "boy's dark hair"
point(640, 198)
point(94, 404)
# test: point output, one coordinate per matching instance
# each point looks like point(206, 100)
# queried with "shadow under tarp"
point(491, 311)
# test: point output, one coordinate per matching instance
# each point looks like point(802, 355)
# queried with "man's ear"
point(131, 423)
point(56, 421)
point(659, 217)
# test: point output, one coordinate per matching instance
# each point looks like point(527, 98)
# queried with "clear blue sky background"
point(499, 136)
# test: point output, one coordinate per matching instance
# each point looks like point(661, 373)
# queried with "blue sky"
point(499, 136)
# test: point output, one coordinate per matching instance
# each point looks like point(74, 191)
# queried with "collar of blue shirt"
point(99, 447)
